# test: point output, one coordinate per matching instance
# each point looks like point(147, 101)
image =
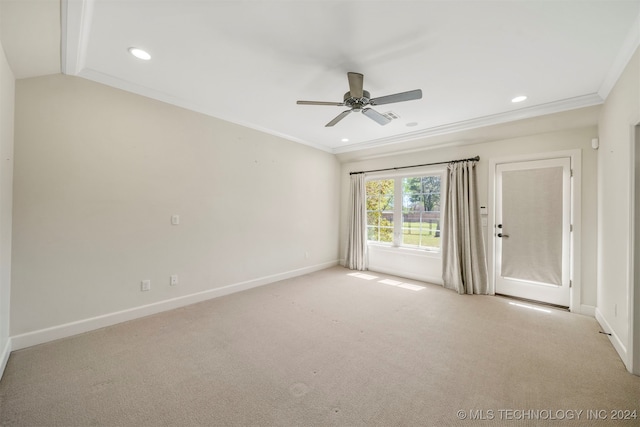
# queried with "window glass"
point(380, 210)
point(421, 211)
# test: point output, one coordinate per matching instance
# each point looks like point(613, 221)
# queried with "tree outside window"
point(380, 210)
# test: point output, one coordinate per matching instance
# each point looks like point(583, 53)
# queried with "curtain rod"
point(476, 158)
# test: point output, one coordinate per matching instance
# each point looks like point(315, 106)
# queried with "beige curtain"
point(464, 262)
point(357, 238)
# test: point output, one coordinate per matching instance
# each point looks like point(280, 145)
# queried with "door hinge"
point(571, 283)
point(571, 228)
point(571, 173)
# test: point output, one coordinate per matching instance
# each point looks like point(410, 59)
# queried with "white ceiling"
point(249, 61)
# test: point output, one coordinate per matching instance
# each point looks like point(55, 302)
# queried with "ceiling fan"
point(357, 99)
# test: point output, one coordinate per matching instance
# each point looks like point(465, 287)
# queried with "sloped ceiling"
point(249, 61)
point(30, 34)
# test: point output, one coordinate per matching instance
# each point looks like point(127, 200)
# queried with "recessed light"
point(345, 140)
point(139, 53)
point(519, 98)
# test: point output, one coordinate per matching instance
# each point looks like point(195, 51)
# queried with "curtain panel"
point(464, 261)
point(357, 237)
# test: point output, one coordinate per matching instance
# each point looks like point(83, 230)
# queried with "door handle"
point(502, 235)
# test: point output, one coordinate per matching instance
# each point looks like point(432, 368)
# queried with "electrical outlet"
point(145, 285)
point(174, 279)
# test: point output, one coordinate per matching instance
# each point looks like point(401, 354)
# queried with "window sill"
point(425, 253)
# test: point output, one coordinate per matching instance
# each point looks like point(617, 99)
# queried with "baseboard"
point(588, 310)
point(4, 357)
point(615, 340)
point(69, 329)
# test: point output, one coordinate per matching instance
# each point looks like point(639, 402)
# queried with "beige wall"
point(619, 115)
point(7, 86)
point(98, 174)
point(538, 143)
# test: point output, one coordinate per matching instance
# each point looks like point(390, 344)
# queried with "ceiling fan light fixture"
point(519, 98)
point(139, 53)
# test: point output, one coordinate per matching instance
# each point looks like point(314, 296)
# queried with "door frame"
point(554, 293)
point(576, 217)
point(633, 288)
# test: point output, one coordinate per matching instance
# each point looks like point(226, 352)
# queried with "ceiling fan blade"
point(338, 118)
point(397, 97)
point(335, 104)
point(356, 83)
point(374, 115)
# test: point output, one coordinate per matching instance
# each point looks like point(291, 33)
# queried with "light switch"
point(175, 219)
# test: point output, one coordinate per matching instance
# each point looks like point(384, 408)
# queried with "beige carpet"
point(327, 349)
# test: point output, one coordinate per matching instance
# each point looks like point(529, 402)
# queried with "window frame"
point(398, 196)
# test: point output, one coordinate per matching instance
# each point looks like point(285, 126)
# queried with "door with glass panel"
point(533, 230)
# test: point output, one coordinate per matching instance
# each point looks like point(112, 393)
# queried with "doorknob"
point(502, 235)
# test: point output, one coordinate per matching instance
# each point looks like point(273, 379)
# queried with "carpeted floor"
point(328, 349)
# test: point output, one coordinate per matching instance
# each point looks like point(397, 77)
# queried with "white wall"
point(7, 87)
point(98, 174)
point(539, 143)
point(619, 115)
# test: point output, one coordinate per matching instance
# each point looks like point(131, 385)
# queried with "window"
point(414, 221)
point(380, 210)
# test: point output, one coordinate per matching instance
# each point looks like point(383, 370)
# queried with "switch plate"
point(174, 279)
point(175, 219)
point(145, 285)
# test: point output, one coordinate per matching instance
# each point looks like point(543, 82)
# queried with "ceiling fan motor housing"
point(357, 104)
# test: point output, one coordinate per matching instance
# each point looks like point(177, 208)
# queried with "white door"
point(533, 230)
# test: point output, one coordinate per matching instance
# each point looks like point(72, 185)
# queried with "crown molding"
point(495, 119)
point(523, 113)
point(115, 82)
